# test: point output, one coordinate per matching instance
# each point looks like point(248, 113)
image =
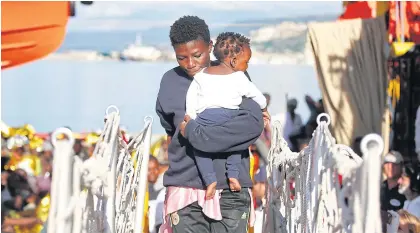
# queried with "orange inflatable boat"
point(32, 30)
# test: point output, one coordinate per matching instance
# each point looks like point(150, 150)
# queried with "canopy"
point(350, 59)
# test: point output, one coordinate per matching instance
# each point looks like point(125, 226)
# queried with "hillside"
point(281, 40)
point(274, 40)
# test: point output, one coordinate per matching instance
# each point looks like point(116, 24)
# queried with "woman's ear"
point(210, 46)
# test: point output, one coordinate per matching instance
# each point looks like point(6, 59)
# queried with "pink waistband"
point(177, 198)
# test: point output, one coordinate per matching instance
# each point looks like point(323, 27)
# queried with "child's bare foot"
point(234, 185)
point(211, 190)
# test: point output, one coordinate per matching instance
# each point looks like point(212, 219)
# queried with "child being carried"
point(214, 96)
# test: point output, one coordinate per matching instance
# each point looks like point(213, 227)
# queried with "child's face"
point(241, 63)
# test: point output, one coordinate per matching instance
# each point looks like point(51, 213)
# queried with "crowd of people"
point(26, 158)
point(207, 174)
point(400, 191)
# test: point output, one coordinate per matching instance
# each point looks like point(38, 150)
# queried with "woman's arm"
point(235, 135)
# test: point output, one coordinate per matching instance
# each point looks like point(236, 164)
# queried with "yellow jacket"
point(251, 173)
point(32, 162)
point(146, 212)
point(41, 212)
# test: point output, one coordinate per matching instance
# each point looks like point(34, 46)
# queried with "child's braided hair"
point(229, 44)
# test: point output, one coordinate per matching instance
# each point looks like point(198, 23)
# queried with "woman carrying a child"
point(218, 198)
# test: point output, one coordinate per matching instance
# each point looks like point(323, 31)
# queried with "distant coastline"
point(167, 56)
point(273, 41)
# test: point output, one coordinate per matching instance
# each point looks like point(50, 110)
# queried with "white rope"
point(366, 201)
point(131, 188)
point(114, 200)
point(319, 203)
point(99, 177)
point(61, 192)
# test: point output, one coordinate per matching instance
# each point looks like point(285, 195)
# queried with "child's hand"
point(187, 118)
point(184, 124)
point(266, 118)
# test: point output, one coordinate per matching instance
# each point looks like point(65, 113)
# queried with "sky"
point(143, 15)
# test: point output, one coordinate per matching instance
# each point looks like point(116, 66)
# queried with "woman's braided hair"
point(229, 44)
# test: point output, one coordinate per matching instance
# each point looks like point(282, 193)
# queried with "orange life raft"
point(31, 30)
